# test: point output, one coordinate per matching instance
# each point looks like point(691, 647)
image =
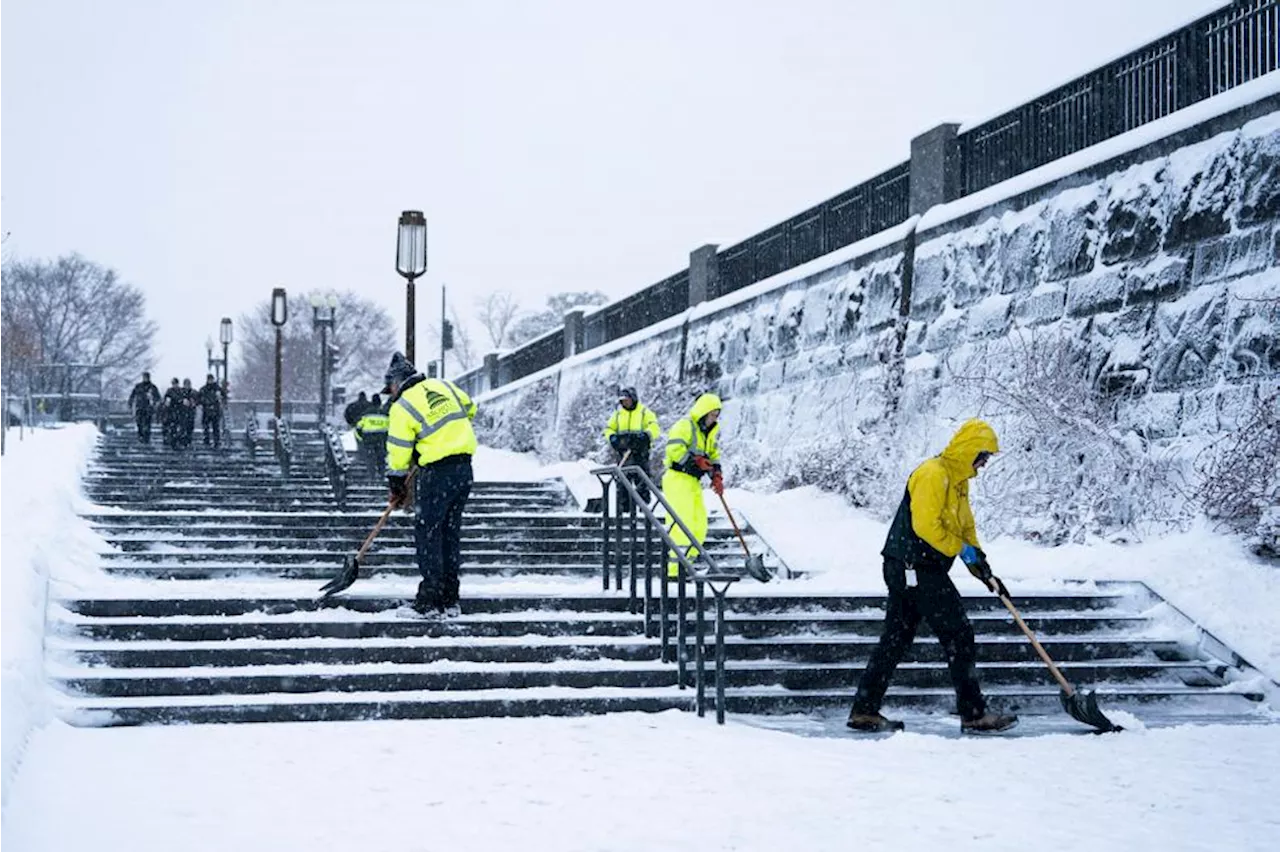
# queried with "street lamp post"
point(445, 331)
point(411, 262)
point(323, 313)
point(224, 335)
point(279, 316)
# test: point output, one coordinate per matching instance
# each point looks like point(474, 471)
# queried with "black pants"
point(442, 490)
point(935, 599)
point(212, 424)
point(143, 418)
point(640, 460)
point(373, 449)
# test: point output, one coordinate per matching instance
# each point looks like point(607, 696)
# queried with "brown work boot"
point(991, 723)
point(873, 723)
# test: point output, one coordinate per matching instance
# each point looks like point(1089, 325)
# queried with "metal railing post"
point(631, 558)
point(604, 517)
point(700, 640)
point(648, 577)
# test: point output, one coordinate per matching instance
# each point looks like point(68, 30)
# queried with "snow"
point(627, 781)
point(638, 782)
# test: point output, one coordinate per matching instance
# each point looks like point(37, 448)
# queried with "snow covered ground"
point(631, 781)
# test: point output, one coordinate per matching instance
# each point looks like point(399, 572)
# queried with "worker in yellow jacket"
point(933, 525)
point(692, 452)
point(371, 435)
point(631, 432)
point(430, 424)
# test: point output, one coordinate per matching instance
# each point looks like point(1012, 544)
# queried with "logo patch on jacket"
point(436, 400)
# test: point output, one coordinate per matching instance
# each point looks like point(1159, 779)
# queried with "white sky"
point(212, 150)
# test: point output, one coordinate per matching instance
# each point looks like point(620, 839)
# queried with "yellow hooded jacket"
point(686, 438)
point(934, 520)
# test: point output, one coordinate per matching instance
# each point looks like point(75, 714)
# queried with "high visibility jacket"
point(433, 417)
point(372, 422)
point(934, 520)
point(686, 439)
point(639, 422)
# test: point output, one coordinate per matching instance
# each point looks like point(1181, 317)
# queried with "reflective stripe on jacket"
point(432, 416)
point(686, 438)
point(638, 421)
point(372, 423)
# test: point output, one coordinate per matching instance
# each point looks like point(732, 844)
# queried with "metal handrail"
point(335, 464)
point(251, 435)
point(701, 579)
point(283, 443)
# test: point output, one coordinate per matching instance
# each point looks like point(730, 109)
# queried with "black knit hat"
point(628, 393)
point(399, 371)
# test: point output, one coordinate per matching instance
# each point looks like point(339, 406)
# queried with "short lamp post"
point(224, 335)
point(279, 316)
point(323, 313)
point(411, 262)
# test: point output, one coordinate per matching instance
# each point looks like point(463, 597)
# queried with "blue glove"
point(970, 555)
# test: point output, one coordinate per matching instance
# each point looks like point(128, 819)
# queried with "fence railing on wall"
point(1219, 51)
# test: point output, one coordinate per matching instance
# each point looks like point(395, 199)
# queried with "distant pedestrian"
point(933, 525)
point(144, 400)
point(355, 408)
point(170, 417)
point(187, 416)
point(631, 431)
point(430, 423)
point(209, 398)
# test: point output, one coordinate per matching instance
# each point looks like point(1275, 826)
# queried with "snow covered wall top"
point(1159, 262)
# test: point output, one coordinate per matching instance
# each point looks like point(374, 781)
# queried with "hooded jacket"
point(687, 439)
point(934, 520)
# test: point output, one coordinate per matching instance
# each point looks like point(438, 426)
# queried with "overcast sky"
point(210, 150)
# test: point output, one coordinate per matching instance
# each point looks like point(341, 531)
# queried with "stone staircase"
point(209, 615)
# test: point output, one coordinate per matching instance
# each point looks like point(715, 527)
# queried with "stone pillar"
point(935, 168)
point(573, 332)
point(491, 370)
point(704, 274)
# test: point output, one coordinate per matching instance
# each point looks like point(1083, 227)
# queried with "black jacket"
point(209, 397)
point(145, 396)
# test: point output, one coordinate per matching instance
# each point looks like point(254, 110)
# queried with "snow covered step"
point(451, 675)
point(324, 570)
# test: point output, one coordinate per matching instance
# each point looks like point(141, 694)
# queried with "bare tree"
point(363, 333)
point(536, 324)
point(497, 313)
point(73, 311)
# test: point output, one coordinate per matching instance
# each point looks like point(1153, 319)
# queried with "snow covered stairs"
point(144, 660)
point(233, 631)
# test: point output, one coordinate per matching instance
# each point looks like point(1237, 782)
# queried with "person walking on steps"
point(144, 399)
point(355, 408)
point(209, 398)
point(430, 422)
point(631, 432)
point(933, 525)
point(693, 452)
point(371, 435)
point(169, 414)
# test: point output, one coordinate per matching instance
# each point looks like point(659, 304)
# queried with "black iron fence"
point(1226, 48)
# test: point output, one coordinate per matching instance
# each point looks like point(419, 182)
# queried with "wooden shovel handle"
point(382, 521)
point(725, 503)
point(1044, 655)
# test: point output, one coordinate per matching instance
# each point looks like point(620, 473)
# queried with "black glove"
point(981, 569)
point(399, 491)
point(616, 442)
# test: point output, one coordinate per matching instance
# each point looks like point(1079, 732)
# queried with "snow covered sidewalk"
point(637, 782)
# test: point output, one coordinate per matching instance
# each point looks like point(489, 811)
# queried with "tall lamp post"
point(279, 316)
point(323, 313)
point(411, 262)
point(224, 335)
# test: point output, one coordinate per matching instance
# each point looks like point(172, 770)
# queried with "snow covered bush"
point(1239, 475)
point(1066, 470)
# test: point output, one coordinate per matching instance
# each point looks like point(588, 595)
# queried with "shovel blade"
point(1083, 707)
point(757, 570)
point(349, 574)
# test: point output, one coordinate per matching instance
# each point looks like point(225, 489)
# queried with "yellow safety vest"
point(432, 416)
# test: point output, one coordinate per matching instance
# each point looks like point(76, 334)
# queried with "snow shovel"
point(351, 565)
point(1081, 706)
point(755, 564)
